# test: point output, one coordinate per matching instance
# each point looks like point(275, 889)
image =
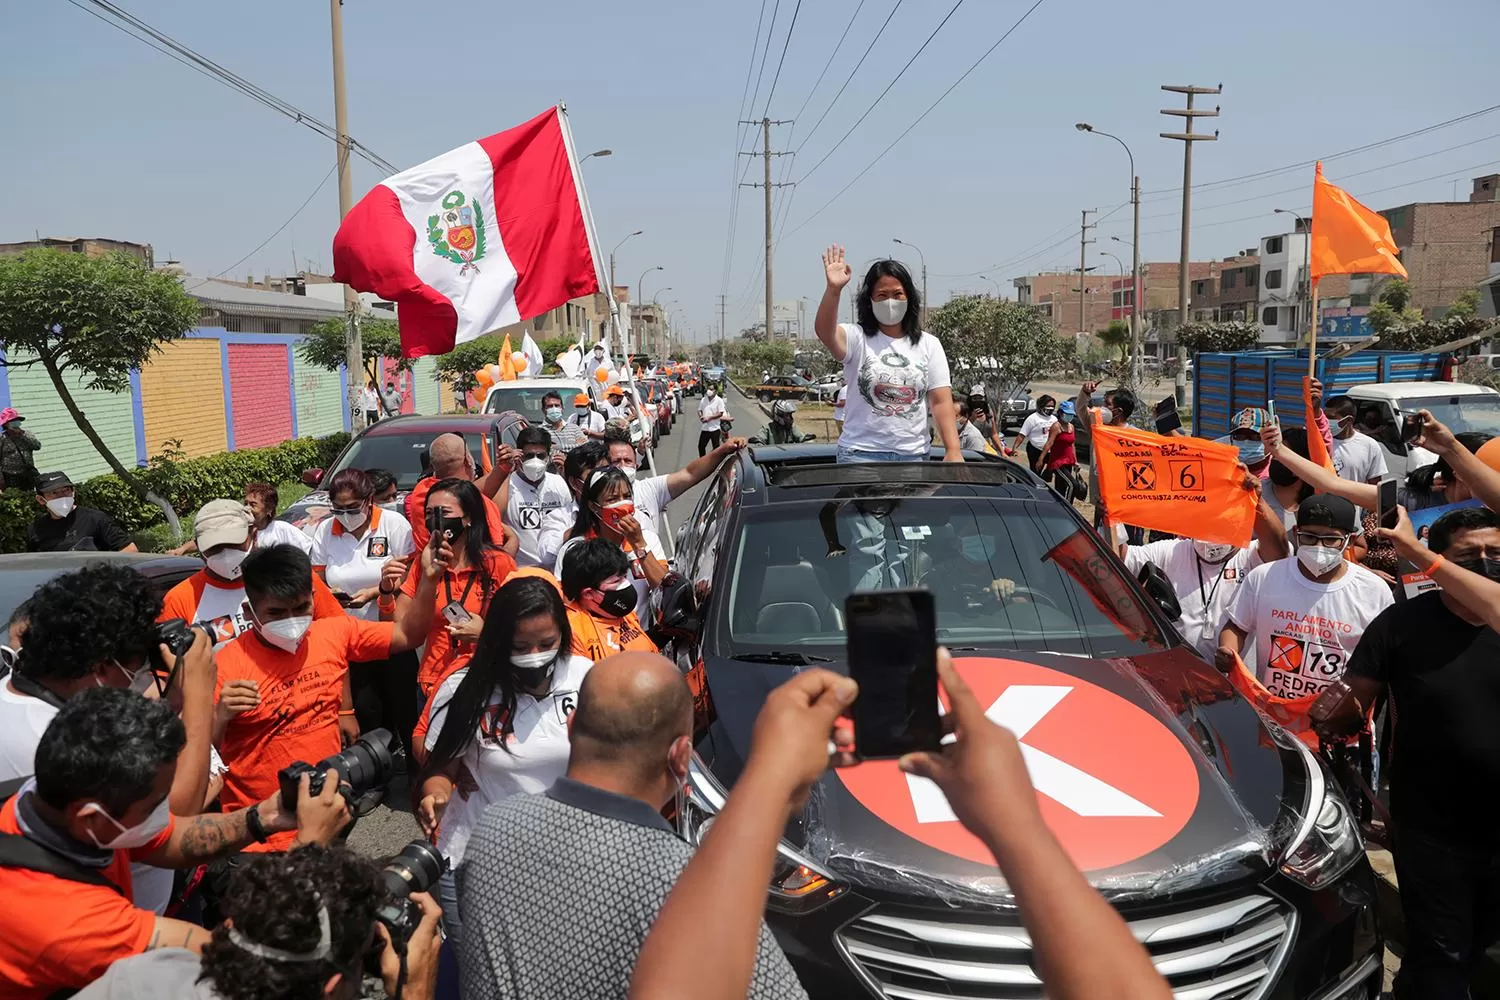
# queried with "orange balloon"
point(1489, 453)
point(484, 378)
point(602, 375)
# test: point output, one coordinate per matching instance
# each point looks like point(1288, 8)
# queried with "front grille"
point(1229, 950)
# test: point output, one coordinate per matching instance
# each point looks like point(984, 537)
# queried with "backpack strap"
point(17, 851)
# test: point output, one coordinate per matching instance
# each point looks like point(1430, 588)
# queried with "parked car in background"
point(21, 573)
point(793, 387)
point(1014, 407)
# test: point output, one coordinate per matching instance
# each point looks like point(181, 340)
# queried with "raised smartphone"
point(893, 657)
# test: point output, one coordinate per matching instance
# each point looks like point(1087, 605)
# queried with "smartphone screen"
point(1411, 428)
point(1388, 503)
point(1167, 417)
point(893, 657)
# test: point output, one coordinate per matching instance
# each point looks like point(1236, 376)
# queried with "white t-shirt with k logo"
point(890, 378)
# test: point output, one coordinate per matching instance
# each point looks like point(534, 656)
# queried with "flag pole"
point(614, 307)
point(1312, 334)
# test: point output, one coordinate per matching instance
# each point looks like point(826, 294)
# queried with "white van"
point(1382, 406)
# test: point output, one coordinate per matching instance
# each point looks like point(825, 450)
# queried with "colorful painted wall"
point(211, 391)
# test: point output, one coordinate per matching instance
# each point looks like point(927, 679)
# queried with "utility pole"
point(1083, 270)
point(1187, 137)
point(353, 349)
point(765, 124)
point(1135, 279)
point(723, 325)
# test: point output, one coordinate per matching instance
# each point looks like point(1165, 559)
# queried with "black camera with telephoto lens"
point(416, 869)
point(364, 767)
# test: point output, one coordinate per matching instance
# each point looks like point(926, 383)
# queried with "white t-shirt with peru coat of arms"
point(890, 378)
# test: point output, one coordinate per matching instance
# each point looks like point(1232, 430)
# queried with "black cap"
point(1324, 510)
point(49, 481)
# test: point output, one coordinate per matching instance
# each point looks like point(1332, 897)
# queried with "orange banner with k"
point(1289, 713)
point(1183, 485)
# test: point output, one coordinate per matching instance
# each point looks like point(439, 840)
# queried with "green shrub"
point(186, 484)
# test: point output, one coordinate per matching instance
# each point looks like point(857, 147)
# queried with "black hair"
point(380, 480)
point(599, 480)
point(1463, 519)
point(274, 901)
point(1294, 438)
point(20, 614)
point(551, 394)
point(582, 458)
point(355, 481)
point(1044, 399)
point(90, 616)
point(589, 563)
point(490, 670)
point(477, 542)
point(911, 323)
point(616, 435)
point(964, 409)
point(283, 572)
point(1420, 480)
point(1339, 407)
point(1123, 399)
point(108, 745)
point(533, 435)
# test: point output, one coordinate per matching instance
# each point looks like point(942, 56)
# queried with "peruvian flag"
point(489, 234)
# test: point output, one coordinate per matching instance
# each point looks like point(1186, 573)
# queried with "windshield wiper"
point(782, 657)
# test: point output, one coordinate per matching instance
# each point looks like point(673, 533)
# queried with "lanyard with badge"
point(455, 611)
point(1208, 622)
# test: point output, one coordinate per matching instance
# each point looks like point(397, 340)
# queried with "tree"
point(456, 368)
point(998, 342)
point(1117, 336)
point(1393, 311)
point(1466, 306)
point(1218, 335)
point(767, 355)
point(96, 318)
point(378, 337)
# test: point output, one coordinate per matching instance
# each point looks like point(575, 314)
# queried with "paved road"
point(1155, 390)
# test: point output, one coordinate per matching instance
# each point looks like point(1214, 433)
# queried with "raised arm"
point(1360, 494)
point(1269, 531)
point(196, 675)
point(826, 322)
point(1480, 478)
point(1479, 594)
point(700, 468)
point(413, 620)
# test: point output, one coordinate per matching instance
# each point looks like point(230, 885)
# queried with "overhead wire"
point(279, 229)
point(941, 97)
point(740, 131)
point(868, 49)
point(770, 94)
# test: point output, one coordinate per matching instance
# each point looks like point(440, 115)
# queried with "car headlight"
point(1327, 841)
point(797, 886)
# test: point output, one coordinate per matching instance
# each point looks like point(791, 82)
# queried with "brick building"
point(89, 246)
point(1055, 295)
point(1447, 246)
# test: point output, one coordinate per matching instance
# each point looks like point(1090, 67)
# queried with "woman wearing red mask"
point(607, 510)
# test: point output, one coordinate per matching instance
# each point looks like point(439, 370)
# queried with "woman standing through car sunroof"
point(898, 373)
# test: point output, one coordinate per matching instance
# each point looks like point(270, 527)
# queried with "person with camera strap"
point(98, 802)
point(280, 684)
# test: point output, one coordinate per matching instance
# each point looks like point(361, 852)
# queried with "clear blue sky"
point(107, 137)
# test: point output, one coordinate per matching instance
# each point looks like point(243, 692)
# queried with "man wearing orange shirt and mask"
point(600, 598)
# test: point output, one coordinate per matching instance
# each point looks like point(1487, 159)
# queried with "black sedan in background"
point(1220, 839)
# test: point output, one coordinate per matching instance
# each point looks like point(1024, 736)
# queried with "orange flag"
point(1317, 450)
point(1347, 237)
point(1185, 485)
point(507, 362)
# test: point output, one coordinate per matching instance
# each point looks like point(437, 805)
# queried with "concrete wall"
point(182, 398)
point(320, 399)
point(260, 389)
point(64, 447)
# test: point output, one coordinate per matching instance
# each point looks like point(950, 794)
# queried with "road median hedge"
point(187, 484)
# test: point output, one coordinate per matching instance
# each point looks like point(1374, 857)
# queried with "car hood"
point(1171, 780)
point(314, 507)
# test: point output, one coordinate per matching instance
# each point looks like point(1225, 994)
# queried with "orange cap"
point(582, 399)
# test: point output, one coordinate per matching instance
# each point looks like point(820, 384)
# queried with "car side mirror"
point(312, 477)
point(809, 437)
point(1159, 589)
point(755, 440)
point(680, 617)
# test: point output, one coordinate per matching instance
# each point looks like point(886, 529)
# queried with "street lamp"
point(986, 277)
point(1306, 223)
point(640, 286)
point(613, 306)
point(597, 152)
point(1135, 254)
point(1125, 242)
point(923, 258)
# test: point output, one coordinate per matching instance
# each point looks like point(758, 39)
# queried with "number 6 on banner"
point(1188, 475)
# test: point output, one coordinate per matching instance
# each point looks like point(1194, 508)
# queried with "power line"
point(868, 49)
point(766, 113)
point(739, 137)
point(123, 21)
point(831, 56)
point(760, 73)
point(922, 116)
point(882, 94)
point(279, 229)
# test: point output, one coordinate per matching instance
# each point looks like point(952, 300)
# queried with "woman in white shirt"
point(499, 726)
point(1036, 428)
point(349, 551)
point(900, 373)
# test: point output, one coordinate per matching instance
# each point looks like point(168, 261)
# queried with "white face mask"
point(1319, 559)
point(1214, 553)
point(226, 562)
point(60, 506)
point(351, 521)
point(889, 312)
point(533, 469)
point(533, 661)
point(287, 633)
point(629, 471)
point(139, 835)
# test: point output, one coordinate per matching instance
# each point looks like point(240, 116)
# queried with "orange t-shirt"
point(200, 599)
point(473, 590)
point(416, 514)
point(56, 934)
point(298, 715)
point(596, 637)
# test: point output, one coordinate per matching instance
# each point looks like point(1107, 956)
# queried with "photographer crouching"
point(299, 927)
point(97, 803)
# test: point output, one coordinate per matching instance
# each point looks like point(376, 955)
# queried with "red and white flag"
point(489, 234)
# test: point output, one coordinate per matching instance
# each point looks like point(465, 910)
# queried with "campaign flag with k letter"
point(483, 236)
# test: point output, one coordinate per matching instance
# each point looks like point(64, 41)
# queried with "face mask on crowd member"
point(349, 507)
point(54, 491)
point(225, 533)
point(535, 445)
point(596, 577)
point(552, 410)
point(279, 596)
point(1244, 435)
point(1212, 552)
point(538, 639)
point(622, 455)
point(582, 460)
point(1324, 524)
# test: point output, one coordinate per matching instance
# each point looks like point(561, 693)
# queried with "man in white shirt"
point(1206, 577)
point(711, 414)
point(1356, 457)
point(590, 420)
point(840, 404)
point(652, 495)
point(264, 501)
point(540, 508)
point(1305, 616)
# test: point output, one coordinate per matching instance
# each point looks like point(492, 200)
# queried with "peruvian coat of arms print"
point(457, 232)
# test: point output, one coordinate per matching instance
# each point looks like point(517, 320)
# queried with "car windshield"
point(403, 455)
point(17, 584)
point(1016, 574)
point(527, 399)
point(1478, 413)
